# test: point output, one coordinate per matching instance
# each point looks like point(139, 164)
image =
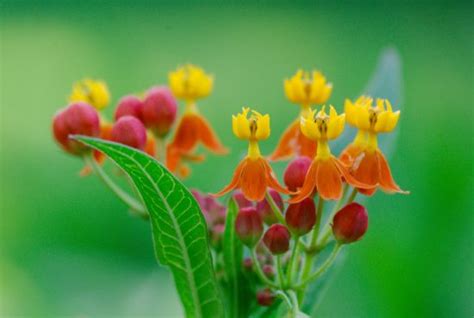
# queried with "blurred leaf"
point(179, 229)
point(385, 83)
point(237, 287)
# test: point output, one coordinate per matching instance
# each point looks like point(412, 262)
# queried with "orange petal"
point(350, 153)
point(305, 146)
point(285, 148)
point(328, 180)
point(209, 138)
point(308, 185)
point(187, 133)
point(272, 182)
point(150, 147)
point(366, 169)
point(350, 179)
point(253, 181)
point(386, 180)
point(235, 179)
point(173, 158)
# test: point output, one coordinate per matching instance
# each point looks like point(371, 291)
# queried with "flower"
point(295, 172)
point(254, 174)
point(326, 171)
point(368, 164)
point(93, 92)
point(301, 217)
point(190, 83)
point(249, 226)
point(304, 90)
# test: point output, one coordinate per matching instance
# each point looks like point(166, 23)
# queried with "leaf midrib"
point(189, 274)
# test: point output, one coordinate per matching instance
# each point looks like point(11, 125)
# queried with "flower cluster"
point(285, 226)
point(142, 121)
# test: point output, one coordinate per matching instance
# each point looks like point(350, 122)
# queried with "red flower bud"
point(241, 200)
point(77, 119)
point(265, 210)
point(265, 297)
point(129, 106)
point(129, 131)
point(249, 226)
point(295, 173)
point(159, 110)
point(277, 239)
point(300, 217)
point(350, 223)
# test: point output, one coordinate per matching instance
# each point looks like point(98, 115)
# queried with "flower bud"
point(265, 297)
point(350, 223)
point(159, 110)
point(268, 271)
point(249, 226)
point(247, 264)
point(265, 210)
point(301, 217)
point(295, 172)
point(277, 239)
point(129, 106)
point(129, 131)
point(77, 119)
point(241, 200)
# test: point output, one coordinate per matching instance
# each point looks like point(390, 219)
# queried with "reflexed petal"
point(253, 180)
point(308, 185)
point(235, 179)
point(328, 180)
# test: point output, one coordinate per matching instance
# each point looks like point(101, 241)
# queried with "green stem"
point(160, 149)
point(322, 268)
point(311, 252)
point(279, 266)
point(291, 264)
point(133, 204)
point(352, 196)
point(276, 210)
point(294, 300)
point(283, 296)
point(259, 271)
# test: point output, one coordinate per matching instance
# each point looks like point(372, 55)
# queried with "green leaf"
point(179, 230)
point(237, 288)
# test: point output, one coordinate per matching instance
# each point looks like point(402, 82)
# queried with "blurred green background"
point(68, 246)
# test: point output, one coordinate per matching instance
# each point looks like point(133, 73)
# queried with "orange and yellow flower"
point(368, 164)
point(326, 173)
point(190, 83)
point(304, 90)
point(93, 92)
point(254, 174)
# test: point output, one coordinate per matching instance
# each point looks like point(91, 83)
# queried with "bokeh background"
point(69, 247)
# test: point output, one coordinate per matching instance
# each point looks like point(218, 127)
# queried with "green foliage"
point(179, 230)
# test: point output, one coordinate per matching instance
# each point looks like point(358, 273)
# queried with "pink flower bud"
point(129, 131)
point(265, 297)
point(300, 217)
point(241, 200)
point(268, 271)
point(249, 226)
point(247, 263)
point(350, 223)
point(129, 106)
point(295, 173)
point(77, 119)
point(265, 210)
point(277, 239)
point(159, 110)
